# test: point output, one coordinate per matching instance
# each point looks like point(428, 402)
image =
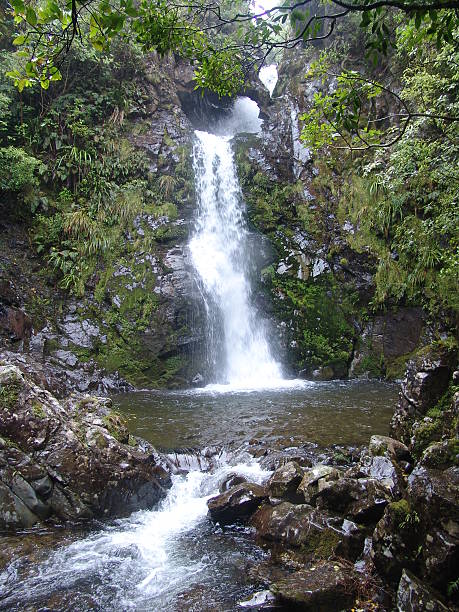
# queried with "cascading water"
point(238, 350)
point(150, 561)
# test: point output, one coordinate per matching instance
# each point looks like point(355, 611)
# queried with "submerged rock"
point(69, 460)
point(236, 504)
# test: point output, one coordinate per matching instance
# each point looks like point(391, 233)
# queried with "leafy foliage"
point(225, 40)
point(404, 202)
point(18, 170)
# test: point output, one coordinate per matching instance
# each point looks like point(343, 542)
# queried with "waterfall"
point(238, 347)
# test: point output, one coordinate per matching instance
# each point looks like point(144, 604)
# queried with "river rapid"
point(173, 557)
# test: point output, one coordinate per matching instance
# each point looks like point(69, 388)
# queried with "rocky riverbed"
point(380, 533)
point(376, 531)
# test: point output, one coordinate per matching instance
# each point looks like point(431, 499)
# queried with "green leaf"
point(31, 16)
point(19, 40)
point(18, 6)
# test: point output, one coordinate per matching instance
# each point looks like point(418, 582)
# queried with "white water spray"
point(145, 562)
point(269, 77)
point(239, 348)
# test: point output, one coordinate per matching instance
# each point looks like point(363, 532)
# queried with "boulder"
point(236, 504)
point(314, 480)
point(317, 533)
point(362, 500)
point(426, 379)
point(67, 460)
point(230, 481)
point(396, 541)
point(326, 587)
point(388, 447)
point(285, 480)
point(415, 596)
point(440, 555)
point(441, 455)
point(435, 493)
point(14, 514)
point(382, 469)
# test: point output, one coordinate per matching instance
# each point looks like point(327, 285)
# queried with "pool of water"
point(172, 557)
point(346, 412)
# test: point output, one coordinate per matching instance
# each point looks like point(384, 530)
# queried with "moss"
point(116, 426)
point(372, 364)
point(442, 455)
point(322, 544)
point(38, 410)
point(9, 394)
point(439, 423)
point(395, 368)
point(427, 432)
point(444, 403)
point(9, 443)
point(132, 441)
point(172, 367)
point(167, 234)
point(399, 510)
point(403, 515)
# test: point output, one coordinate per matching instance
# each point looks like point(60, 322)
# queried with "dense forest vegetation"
point(393, 101)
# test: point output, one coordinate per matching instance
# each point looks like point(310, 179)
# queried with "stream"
point(173, 557)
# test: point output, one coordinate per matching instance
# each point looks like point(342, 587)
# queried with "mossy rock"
point(116, 427)
point(9, 394)
point(322, 544)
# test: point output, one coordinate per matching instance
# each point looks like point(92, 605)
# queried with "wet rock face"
point(69, 460)
point(329, 586)
point(426, 379)
point(236, 504)
point(285, 480)
point(15, 322)
point(414, 596)
point(61, 373)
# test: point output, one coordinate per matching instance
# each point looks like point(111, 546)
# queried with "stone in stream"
point(315, 532)
point(284, 482)
point(384, 446)
point(67, 460)
point(414, 596)
point(230, 481)
point(236, 504)
point(326, 587)
point(362, 500)
point(314, 480)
